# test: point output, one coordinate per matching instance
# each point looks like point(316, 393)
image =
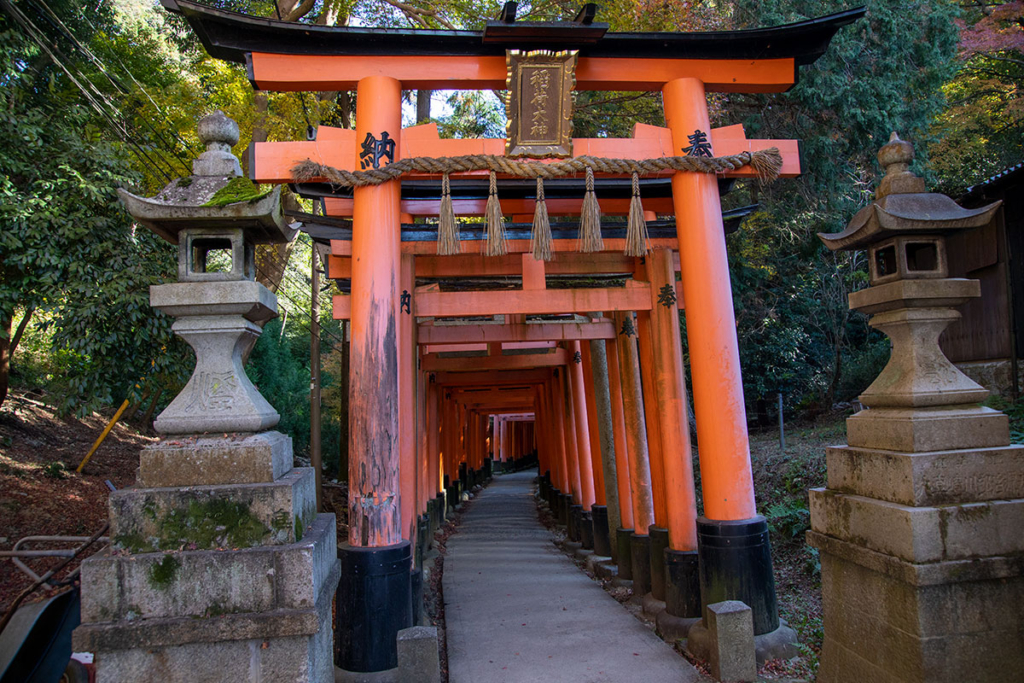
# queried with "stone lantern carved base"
point(219, 397)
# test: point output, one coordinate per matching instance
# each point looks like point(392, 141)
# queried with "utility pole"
point(314, 371)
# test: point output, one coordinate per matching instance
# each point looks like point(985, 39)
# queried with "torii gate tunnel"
point(493, 355)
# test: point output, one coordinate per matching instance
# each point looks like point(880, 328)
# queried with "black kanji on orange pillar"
point(373, 150)
point(700, 146)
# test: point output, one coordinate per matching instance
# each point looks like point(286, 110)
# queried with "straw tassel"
point(590, 219)
point(447, 227)
point(636, 227)
point(495, 221)
point(541, 239)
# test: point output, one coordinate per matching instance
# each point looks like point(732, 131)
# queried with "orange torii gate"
point(411, 425)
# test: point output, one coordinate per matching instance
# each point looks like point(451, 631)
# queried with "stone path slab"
point(519, 610)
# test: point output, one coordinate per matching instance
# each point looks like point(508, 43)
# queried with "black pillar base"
point(587, 530)
point(625, 560)
point(602, 539)
point(422, 538)
point(565, 502)
point(575, 519)
point(659, 544)
point(374, 603)
point(440, 510)
point(736, 564)
point(416, 581)
point(682, 583)
point(640, 550)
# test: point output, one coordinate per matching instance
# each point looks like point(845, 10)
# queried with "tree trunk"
point(5, 355)
point(423, 105)
point(20, 331)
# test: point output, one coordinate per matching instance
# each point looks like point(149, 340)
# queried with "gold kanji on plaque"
point(539, 103)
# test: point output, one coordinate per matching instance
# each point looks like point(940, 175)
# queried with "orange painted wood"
point(582, 424)
point(495, 378)
point(283, 72)
point(344, 247)
point(636, 433)
point(530, 332)
point(597, 467)
point(655, 443)
point(571, 446)
point(480, 265)
point(374, 499)
point(274, 162)
point(431, 363)
point(619, 436)
point(636, 296)
point(533, 273)
point(670, 386)
point(714, 351)
point(407, 440)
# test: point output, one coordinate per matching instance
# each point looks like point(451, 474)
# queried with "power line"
point(298, 307)
point(36, 36)
point(89, 55)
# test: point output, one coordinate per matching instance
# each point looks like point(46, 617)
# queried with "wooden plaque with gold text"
point(539, 104)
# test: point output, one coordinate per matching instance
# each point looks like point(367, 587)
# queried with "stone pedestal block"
point(921, 430)
point(731, 629)
point(893, 621)
point(198, 461)
point(249, 615)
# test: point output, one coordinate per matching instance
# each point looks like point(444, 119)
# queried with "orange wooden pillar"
point(653, 424)
point(435, 470)
point(619, 436)
point(374, 499)
point(730, 569)
point(557, 408)
point(579, 402)
point(641, 489)
point(375, 486)
point(593, 429)
point(571, 447)
point(407, 398)
point(670, 387)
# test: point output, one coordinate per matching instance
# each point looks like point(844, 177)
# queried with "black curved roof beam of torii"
point(232, 37)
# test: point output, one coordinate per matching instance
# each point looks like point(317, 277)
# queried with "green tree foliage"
point(981, 132)
point(66, 245)
point(884, 73)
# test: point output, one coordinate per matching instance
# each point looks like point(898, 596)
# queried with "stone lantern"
point(912, 300)
point(220, 567)
point(918, 528)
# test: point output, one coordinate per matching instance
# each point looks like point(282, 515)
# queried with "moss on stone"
point(162, 573)
point(215, 523)
point(298, 529)
point(134, 543)
point(184, 182)
point(237, 190)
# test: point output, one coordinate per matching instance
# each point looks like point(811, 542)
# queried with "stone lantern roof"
point(902, 206)
point(205, 198)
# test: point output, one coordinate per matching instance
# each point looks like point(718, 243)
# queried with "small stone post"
point(919, 528)
point(219, 567)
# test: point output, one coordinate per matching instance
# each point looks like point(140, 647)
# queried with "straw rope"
point(767, 163)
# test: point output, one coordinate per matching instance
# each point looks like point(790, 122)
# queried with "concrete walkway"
point(519, 610)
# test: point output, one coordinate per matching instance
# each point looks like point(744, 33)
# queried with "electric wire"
point(52, 52)
point(90, 56)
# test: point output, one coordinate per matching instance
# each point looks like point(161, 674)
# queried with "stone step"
point(928, 479)
point(206, 461)
point(210, 583)
point(920, 534)
point(210, 517)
